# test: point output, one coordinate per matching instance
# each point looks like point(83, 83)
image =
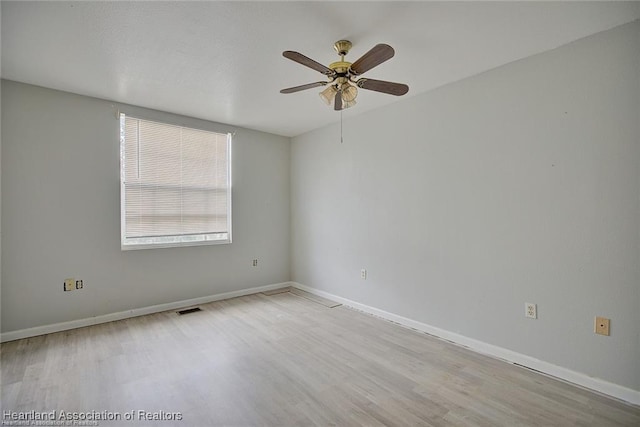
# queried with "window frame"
point(170, 244)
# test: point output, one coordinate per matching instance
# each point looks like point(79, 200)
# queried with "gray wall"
point(61, 214)
point(518, 185)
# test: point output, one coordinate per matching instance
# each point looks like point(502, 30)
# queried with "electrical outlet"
point(602, 326)
point(530, 310)
point(69, 284)
point(79, 284)
point(363, 274)
point(254, 263)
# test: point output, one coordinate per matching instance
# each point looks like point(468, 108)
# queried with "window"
point(175, 185)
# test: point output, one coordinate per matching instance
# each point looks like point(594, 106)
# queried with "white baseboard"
point(577, 378)
point(73, 324)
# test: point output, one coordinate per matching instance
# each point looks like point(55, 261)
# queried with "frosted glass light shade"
point(349, 93)
point(328, 94)
point(347, 104)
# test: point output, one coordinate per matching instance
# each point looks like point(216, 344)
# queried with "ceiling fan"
point(343, 77)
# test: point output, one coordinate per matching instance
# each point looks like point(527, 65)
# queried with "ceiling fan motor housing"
point(340, 67)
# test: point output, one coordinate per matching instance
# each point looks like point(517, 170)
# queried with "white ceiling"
point(222, 61)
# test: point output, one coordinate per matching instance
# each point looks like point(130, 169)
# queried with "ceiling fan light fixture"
point(328, 94)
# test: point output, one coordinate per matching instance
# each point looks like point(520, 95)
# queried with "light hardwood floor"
point(280, 360)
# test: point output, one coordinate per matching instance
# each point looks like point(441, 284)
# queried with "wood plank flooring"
point(284, 360)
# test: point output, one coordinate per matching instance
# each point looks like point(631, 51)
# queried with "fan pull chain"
point(341, 140)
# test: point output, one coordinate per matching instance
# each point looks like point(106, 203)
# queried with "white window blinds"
point(175, 185)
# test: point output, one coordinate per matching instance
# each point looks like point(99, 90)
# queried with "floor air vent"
point(188, 310)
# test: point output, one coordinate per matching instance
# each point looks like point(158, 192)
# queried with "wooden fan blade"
point(302, 87)
point(338, 102)
point(391, 88)
point(376, 56)
point(308, 62)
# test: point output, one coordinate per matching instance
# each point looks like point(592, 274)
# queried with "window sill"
point(140, 246)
